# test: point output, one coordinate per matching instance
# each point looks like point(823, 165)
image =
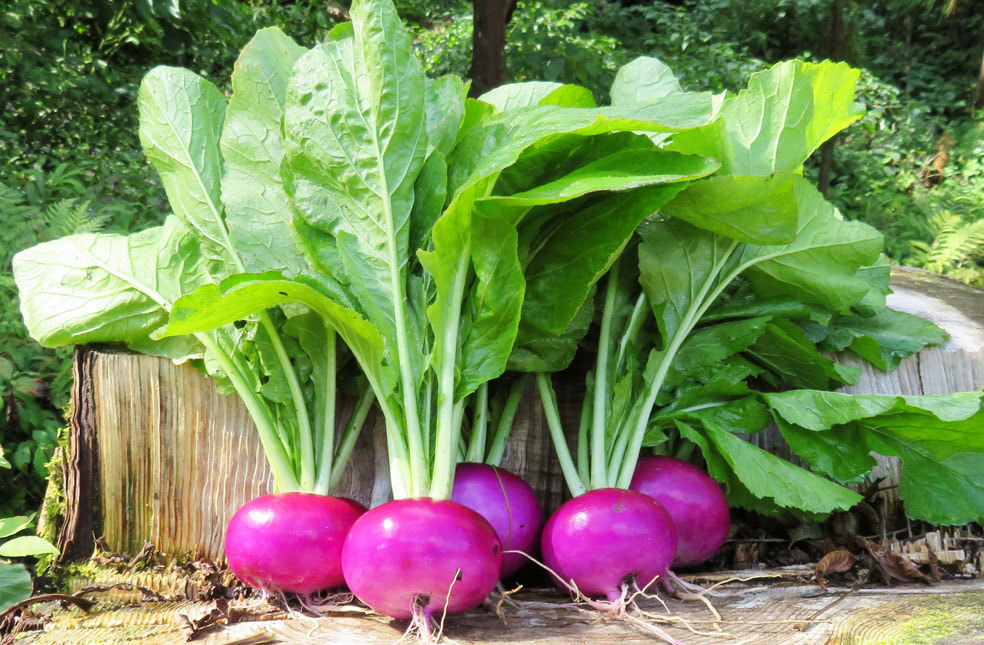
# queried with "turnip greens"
point(446, 240)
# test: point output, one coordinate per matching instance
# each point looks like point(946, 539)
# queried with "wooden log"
point(170, 460)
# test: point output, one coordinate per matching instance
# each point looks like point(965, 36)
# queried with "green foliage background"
point(70, 160)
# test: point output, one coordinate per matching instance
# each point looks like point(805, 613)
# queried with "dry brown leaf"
point(834, 562)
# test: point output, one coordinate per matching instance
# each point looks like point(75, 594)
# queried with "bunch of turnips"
point(344, 226)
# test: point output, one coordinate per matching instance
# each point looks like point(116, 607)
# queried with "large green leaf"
point(181, 116)
point(580, 251)
point(355, 142)
point(108, 288)
point(883, 339)
point(11, 525)
point(774, 125)
point(498, 140)
point(821, 264)
point(27, 545)
point(252, 145)
point(644, 79)
point(15, 584)
point(938, 438)
point(622, 170)
point(758, 210)
point(794, 360)
point(211, 306)
point(675, 261)
point(445, 109)
point(766, 476)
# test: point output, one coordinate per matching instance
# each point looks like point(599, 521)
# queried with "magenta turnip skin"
point(608, 537)
point(694, 501)
point(410, 550)
point(290, 541)
point(507, 502)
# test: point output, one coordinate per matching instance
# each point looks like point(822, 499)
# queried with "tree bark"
point(488, 68)
point(978, 102)
point(838, 49)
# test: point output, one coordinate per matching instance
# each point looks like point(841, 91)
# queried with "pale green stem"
point(326, 456)
point(574, 483)
point(349, 438)
point(447, 427)
point(631, 331)
point(480, 422)
point(699, 303)
point(506, 419)
point(583, 448)
point(283, 473)
point(305, 435)
point(599, 472)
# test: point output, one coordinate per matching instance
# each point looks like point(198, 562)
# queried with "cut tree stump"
point(155, 453)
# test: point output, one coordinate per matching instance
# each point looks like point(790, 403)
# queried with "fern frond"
point(955, 249)
point(67, 217)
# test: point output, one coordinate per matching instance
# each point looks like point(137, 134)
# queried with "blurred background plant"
point(70, 160)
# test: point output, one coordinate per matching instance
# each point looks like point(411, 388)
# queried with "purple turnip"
point(411, 557)
point(507, 502)
point(609, 541)
point(693, 499)
point(290, 541)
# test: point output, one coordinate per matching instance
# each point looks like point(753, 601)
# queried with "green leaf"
point(497, 141)
point(580, 251)
point(252, 145)
point(762, 482)
point(108, 288)
point(15, 584)
point(644, 79)
point(355, 142)
point(538, 352)
point(445, 108)
point(758, 210)
point(820, 410)
point(937, 437)
point(768, 476)
point(181, 116)
point(883, 339)
point(786, 351)
point(675, 260)
point(27, 545)
point(211, 306)
point(518, 95)
point(712, 345)
point(620, 171)
point(786, 113)
point(3, 461)
point(494, 304)
point(843, 455)
point(821, 264)
point(11, 525)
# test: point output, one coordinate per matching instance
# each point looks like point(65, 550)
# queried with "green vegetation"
point(913, 166)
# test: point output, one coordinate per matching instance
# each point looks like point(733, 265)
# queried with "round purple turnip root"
point(410, 557)
point(609, 541)
point(694, 501)
point(290, 541)
point(507, 502)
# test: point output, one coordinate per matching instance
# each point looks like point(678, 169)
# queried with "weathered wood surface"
point(174, 459)
point(790, 613)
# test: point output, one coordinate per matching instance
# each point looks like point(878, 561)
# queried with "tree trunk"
point(488, 68)
point(978, 102)
point(838, 49)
